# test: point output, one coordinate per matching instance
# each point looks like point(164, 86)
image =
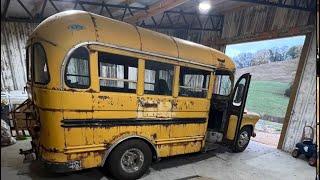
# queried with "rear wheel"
point(129, 160)
point(295, 153)
point(243, 139)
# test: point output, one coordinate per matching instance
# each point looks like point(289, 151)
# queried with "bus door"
point(236, 106)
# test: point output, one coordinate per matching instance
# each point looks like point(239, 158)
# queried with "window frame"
point(157, 78)
point(196, 70)
point(32, 65)
point(126, 88)
point(89, 71)
point(29, 54)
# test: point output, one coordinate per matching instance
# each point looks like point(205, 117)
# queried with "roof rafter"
point(157, 8)
point(215, 19)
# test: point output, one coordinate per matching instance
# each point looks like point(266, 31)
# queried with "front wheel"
point(129, 160)
point(243, 139)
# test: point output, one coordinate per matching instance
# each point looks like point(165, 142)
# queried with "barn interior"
point(220, 24)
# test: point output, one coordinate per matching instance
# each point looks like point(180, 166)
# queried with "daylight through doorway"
point(272, 64)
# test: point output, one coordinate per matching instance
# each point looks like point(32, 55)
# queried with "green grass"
point(267, 97)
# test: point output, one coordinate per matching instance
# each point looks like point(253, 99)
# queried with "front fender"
point(248, 119)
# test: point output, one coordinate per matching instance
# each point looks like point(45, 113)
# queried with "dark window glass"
point(158, 78)
point(222, 85)
point(77, 69)
point(193, 82)
point(40, 66)
point(117, 73)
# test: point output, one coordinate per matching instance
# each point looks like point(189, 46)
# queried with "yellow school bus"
point(109, 94)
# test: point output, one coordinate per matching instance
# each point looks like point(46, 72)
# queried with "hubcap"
point(243, 139)
point(132, 160)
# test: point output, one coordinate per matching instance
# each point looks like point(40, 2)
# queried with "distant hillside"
point(282, 71)
point(265, 56)
point(268, 85)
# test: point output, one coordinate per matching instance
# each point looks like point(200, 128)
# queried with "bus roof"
point(70, 28)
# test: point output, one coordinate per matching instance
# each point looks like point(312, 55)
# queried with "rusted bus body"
point(79, 127)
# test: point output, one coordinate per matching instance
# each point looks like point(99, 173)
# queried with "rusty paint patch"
point(90, 91)
point(154, 136)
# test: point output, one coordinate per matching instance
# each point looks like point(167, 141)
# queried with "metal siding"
point(13, 69)
point(304, 108)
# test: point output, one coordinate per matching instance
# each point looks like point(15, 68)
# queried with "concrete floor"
point(258, 161)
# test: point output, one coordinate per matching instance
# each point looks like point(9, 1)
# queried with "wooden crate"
point(21, 119)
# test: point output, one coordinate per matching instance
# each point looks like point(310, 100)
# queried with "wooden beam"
point(295, 31)
point(157, 8)
point(303, 59)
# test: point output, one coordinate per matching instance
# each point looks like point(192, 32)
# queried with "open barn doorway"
point(273, 65)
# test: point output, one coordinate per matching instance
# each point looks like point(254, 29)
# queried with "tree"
point(265, 56)
point(261, 57)
point(294, 52)
point(243, 60)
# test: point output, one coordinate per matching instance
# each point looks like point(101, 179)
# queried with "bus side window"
point(117, 73)
point(158, 78)
point(77, 70)
point(193, 82)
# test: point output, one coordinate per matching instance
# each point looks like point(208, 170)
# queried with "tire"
point(129, 160)
point(243, 139)
point(312, 161)
point(295, 153)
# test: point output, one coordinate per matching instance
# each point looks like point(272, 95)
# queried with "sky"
point(235, 49)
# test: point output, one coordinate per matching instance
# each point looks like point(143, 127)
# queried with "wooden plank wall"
point(259, 19)
point(304, 107)
point(13, 39)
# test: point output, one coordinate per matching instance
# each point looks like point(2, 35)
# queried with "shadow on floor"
point(181, 160)
point(37, 170)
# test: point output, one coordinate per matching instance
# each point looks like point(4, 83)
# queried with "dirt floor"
point(267, 138)
point(267, 132)
point(258, 161)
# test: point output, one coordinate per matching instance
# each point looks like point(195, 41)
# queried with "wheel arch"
point(250, 126)
point(152, 147)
